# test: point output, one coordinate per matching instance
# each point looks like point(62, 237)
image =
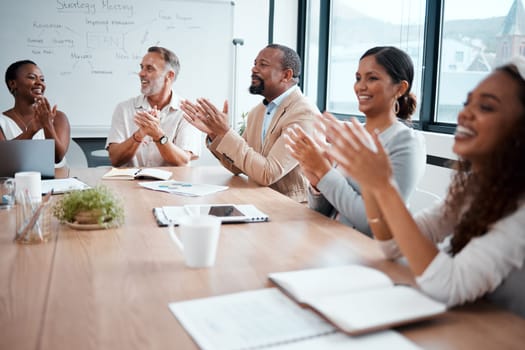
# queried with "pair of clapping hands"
point(349, 144)
point(206, 117)
point(44, 113)
point(148, 122)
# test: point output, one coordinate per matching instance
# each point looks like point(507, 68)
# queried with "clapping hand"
point(358, 153)
point(206, 117)
point(307, 150)
point(148, 123)
point(44, 113)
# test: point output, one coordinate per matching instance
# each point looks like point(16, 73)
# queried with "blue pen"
point(175, 185)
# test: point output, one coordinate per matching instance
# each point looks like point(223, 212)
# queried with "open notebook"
point(266, 318)
point(357, 299)
point(136, 173)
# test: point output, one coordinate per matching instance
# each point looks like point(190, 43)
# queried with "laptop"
point(228, 213)
point(27, 155)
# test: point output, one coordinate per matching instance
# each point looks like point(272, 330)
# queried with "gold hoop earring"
point(396, 107)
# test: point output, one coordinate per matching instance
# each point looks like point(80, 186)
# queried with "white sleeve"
point(119, 126)
point(480, 266)
point(430, 223)
point(188, 137)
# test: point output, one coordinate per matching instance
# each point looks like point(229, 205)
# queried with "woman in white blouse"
point(32, 116)
point(484, 211)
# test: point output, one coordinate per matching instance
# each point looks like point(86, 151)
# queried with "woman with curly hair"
point(484, 211)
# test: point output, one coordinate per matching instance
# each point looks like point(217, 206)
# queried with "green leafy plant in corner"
point(95, 205)
point(241, 125)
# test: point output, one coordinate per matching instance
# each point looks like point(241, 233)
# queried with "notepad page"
point(339, 341)
point(374, 309)
point(307, 285)
point(154, 173)
point(121, 173)
point(247, 320)
point(63, 185)
point(182, 188)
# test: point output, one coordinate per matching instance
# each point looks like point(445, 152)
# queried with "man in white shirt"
point(149, 130)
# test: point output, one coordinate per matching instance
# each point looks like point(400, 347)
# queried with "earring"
point(396, 107)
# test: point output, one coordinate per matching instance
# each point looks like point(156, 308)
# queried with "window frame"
point(432, 37)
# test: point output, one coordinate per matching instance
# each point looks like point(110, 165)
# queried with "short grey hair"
point(172, 61)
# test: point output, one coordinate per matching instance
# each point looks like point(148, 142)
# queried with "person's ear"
point(12, 86)
point(403, 87)
point(288, 74)
point(171, 75)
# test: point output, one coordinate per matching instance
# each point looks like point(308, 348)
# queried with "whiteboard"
point(90, 51)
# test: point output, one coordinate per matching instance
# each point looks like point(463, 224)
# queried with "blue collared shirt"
point(271, 108)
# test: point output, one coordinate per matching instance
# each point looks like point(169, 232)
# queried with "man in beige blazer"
point(260, 152)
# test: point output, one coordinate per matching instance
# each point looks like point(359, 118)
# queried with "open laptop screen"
point(27, 155)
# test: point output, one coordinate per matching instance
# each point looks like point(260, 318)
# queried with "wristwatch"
point(163, 140)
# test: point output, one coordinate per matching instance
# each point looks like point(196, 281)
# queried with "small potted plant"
point(94, 208)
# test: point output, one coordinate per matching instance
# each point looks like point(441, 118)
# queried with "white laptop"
point(229, 213)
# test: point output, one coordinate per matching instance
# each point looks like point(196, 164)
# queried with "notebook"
point(136, 173)
point(229, 213)
point(357, 299)
point(266, 318)
point(27, 155)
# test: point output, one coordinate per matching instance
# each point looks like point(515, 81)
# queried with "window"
point(357, 26)
point(461, 42)
point(477, 36)
point(311, 58)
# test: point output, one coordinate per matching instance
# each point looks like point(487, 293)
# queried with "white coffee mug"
point(28, 182)
point(199, 237)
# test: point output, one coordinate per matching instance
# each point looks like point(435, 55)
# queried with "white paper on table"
point(248, 320)
point(183, 188)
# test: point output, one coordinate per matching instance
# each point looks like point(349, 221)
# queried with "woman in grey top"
point(382, 86)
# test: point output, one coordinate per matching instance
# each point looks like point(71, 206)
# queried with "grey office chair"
point(75, 156)
point(421, 199)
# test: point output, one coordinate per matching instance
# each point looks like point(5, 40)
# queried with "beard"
point(154, 87)
point(257, 89)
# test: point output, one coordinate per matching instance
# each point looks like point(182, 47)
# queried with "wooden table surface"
point(110, 289)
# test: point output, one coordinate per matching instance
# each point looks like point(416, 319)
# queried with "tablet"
point(229, 213)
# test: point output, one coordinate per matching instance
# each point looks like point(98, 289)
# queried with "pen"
point(175, 185)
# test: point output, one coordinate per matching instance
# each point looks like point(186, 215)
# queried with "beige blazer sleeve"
point(268, 162)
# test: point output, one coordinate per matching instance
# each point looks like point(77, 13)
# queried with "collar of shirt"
point(271, 108)
point(174, 103)
point(279, 99)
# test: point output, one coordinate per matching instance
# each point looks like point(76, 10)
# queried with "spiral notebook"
point(266, 318)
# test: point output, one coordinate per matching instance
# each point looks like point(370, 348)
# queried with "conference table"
point(110, 289)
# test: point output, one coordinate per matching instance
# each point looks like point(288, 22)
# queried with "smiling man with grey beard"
point(149, 130)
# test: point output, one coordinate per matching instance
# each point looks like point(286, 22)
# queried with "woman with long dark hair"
point(383, 83)
point(483, 213)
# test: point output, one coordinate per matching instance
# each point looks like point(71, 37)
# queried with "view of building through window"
point(357, 26)
point(478, 36)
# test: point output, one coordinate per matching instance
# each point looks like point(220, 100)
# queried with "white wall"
point(285, 23)
point(251, 19)
point(251, 25)
point(437, 179)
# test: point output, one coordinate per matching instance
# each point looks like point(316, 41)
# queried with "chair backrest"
point(421, 199)
point(75, 156)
